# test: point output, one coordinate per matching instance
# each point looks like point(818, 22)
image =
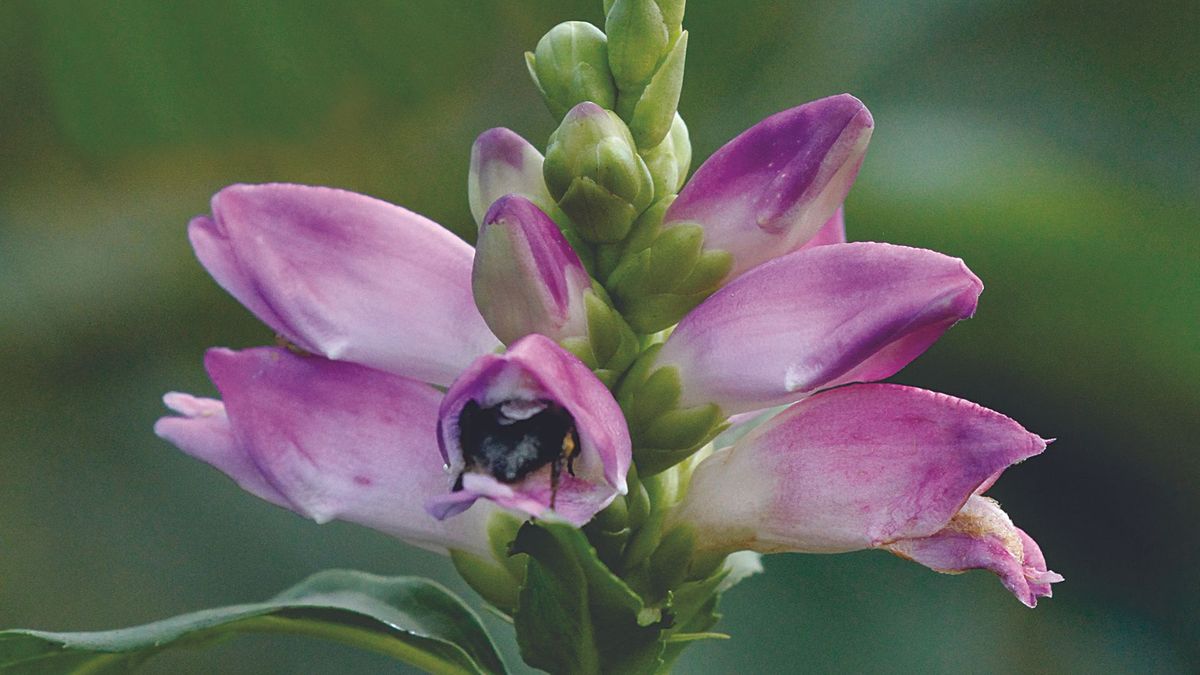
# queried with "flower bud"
point(640, 34)
point(669, 161)
point(570, 66)
point(526, 279)
point(504, 163)
point(592, 168)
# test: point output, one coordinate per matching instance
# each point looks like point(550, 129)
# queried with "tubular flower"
point(380, 300)
point(873, 466)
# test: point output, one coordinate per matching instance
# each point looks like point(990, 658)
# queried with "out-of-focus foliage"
point(1052, 145)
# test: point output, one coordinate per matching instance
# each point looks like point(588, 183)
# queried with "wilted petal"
point(857, 467)
point(981, 536)
point(503, 163)
point(525, 393)
point(347, 276)
point(526, 278)
point(770, 190)
point(329, 440)
point(814, 319)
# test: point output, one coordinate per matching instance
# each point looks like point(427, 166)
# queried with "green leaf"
point(575, 615)
point(409, 619)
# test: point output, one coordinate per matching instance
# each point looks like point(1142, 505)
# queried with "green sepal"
point(490, 580)
point(599, 215)
point(575, 615)
point(669, 563)
point(612, 341)
point(655, 109)
point(683, 427)
point(409, 619)
point(647, 390)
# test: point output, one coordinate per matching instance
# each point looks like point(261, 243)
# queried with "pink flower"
point(381, 299)
point(873, 466)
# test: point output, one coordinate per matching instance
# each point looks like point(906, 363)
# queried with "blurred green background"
point(1053, 145)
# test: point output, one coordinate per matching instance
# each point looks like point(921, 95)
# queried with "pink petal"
point(771, 189)
point(814, 319)
point(535, 369)
point(527, 278)
point(851, 468)
point(981, 536)
point(347, 276)
point(329, 440)
point(203, 431)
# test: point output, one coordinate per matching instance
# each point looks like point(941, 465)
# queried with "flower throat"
point(511, 440)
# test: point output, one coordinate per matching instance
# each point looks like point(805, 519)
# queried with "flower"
point(873, 466)
point(380, 300)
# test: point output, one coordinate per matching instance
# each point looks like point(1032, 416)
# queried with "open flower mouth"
point(515, 438)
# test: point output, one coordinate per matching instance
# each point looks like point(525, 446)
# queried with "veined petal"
point(328, 440)
point(981, 536)
point(857, 467)
point(527, 278)
point(504, 163)
point(814, 319)
point(347, 276)
point(770, 190)
point(527, 391)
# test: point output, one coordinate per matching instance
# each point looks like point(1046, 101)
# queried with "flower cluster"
point(615, 351)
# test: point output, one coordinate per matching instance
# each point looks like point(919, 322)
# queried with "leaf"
point(575, 615)
point(407, 618)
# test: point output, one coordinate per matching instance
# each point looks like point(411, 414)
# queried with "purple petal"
point(814, 319)
point(857, 467)
point(504, 163)
point(347, 276)
point(328, 440)
point(981, 536)
point(770, 190)
point(534, 372)
point(527, 279)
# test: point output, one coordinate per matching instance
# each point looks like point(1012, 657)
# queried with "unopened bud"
point(526, 279)
point(503, 163)
point(570, 66)
point(670, 160)
point(594, 171)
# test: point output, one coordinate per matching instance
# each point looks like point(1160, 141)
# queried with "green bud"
point(594, 171)
point(670, 160)
point(570, 66)
point(639, 35)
